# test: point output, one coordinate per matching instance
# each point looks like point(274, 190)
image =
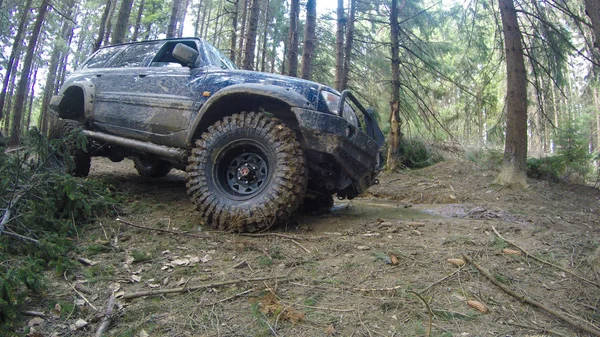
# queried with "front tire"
point(150, 167)
point(65, 128)
point(246, 173)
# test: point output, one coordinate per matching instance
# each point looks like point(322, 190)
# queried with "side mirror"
point(186, 54)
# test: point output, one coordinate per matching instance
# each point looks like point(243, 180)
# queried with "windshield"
point(216, 58)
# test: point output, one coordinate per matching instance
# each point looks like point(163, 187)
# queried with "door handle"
point(142, 75)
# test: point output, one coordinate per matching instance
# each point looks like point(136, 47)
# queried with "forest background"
point(433, 70)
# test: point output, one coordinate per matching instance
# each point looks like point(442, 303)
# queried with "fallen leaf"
point(119, 294)
point(478, 306)
point(56, 311)
point(153, 285)
point(393, 259)
point(143, 333)
point(363, 247)
point(80, 323)
point(115, 286)
point(136, 278)
point(457, 262)
point(35, 321)
point(509, 251)
point(330, 330)
point(180, 262)
point(79, 302)
point(206, 258)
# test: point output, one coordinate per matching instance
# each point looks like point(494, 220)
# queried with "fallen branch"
point(429, 312)
point(202, 286)
point(79, 293)
point(34, 313)
point(257, 235)
point(532, 302)
point(161, 230)
point(19, 236)
point(107, 316)
point(230, 297)
point(545, 262)
point(440, 280)
point(7, 212)
point(299, 245)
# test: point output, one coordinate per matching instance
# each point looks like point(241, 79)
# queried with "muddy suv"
point(255, 146)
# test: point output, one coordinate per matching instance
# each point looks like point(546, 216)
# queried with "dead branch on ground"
point(429, 312)
point(162, 230)
point(107, 316)
point(533, 302)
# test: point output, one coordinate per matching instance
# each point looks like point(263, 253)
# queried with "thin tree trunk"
point(181, 20)
point(122, 24)
point(234, 24)
point(15, 136)
point(596, 93)
point(515, 147)
point(103, 23)
point(109, 22)
point(216, 34)
point(207, 22)
point(203, 24)
point(339, 44)
point(310, 39)
point(251, 35)
point(395, 121)
point(14, 56)
point(242, 31)
point(31, 97)
point(592, 8)
point(138, 21)
point(348, 46)
point(172, 27)
point(263, 62)
point(292, 55)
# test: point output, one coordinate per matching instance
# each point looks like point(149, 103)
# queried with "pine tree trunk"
point(339, 44)
point(203, 23)
point(14, 56)
point(395, 121)
point(513, 170)
point(15, 136)
point(122, 24)
point(172, 27)
point(103, 23)
point(31, 97)
point(310, 39)
point(138, 21)
point(592, 8)
point(181, 19)
point(292, 55)
point(265, 37)
point(251, 35)
point(206, 21)
point(234, 24)
point(596, 93)
point(348, 46)
point(240, 54)
point(109, 22)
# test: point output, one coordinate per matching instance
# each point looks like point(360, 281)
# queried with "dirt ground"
point(374, 266)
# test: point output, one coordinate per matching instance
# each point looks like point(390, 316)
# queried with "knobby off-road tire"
point(63, 129)
point(150, 167)
point(246, 173)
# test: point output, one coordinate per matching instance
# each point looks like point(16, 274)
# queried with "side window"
point(102, 56)
point(165, 56)
point(136, 55)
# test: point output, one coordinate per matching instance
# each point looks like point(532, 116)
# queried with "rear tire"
point(247, 173)
point(65, 129)
point(150, 167)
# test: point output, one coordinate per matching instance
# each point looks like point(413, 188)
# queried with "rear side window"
point(99, 59)
point(137, 55)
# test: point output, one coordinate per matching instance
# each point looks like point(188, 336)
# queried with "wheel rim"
point(242, 169)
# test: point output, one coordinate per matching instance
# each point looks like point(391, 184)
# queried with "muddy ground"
point(375, 266)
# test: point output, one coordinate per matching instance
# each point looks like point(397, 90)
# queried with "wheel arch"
point(275, 100)
point(77, 101)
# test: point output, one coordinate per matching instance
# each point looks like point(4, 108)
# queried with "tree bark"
point(348, 46)
point(292, 56)
point(263, 59)
point(251, 35)
point(240, 54)
point(310, 39)
point(122, 24)
point(138, 21)
point(102, 28)
point(15, 136)
point(339, 44)
point(31, 97)
point(14, 55)
point(395, 121)
point(181, 17)
point(172, 27)
point(513, 170)
point(234, 24)
point(113, 6)
point(592, 8)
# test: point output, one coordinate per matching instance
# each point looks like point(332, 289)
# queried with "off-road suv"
point(255, 146)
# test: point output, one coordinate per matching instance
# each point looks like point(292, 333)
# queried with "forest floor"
point(366, 268)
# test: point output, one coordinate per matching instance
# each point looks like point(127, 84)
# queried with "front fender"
point(211, 110)
point(82, 93)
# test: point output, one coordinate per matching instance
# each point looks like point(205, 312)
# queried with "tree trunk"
point(596, 93)
point(31, 97)
point(103, 23)
point(292, 56)
point(234, 24)
point(251, 35)
point(592, 8)
point(113, 6)
point(513, 170)
point(310, 39)
point(15, 136)
point(14, 55)
point(138, 21)
point(181, 18)
point(203, 23)
point(348, 46)
point(395, 121)
point(240, 54)
point(263, 59)
point(172, 27)
point(122, 24)
point(339, 44)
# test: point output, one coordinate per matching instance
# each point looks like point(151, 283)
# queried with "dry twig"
point(107, 316)
point(202, 286)
point(79, 293)
point(429, 312)
point(230, 297)
point(161, 230)
point(545, 262)
point(533, 302)
point(440, 280)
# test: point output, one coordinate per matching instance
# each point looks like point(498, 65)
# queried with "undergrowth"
point(41, 209)
point(414, 153)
